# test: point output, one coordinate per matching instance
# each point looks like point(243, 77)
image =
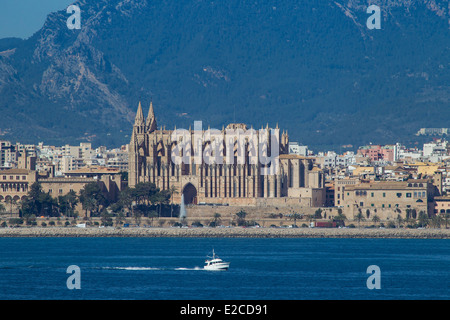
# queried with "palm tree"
point(423, 218)
point(120, 218)
point(399, 220)
point(294, 217)
point(241, 217)
point(359, 217)
point(436, 221)
point(216, 220)
point(340, 217)
point(376, 219)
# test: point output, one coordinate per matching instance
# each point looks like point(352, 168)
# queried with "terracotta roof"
point(386, 185)
point(15, 171)
point(94, 170)
point(293, 156)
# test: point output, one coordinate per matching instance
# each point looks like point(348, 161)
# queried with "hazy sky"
point(22, 18)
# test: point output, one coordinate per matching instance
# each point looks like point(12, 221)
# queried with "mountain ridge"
point(313, 67)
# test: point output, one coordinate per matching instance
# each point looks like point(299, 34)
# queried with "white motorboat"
point(215, 263)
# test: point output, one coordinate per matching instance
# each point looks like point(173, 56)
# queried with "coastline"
point(233, 232)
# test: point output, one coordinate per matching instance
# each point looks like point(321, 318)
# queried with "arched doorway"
point(190, 194)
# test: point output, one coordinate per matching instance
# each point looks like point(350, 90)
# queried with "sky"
point(22, 18)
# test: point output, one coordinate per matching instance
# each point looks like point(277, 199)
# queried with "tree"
point(423, 218)
point(39, 203)
point(160, 198)
point(376, 219)
point(144, 192)
point(340, 217)
point(63, 205)
point(436, 221)
point(318, 214)
point(408, 213)
point(295, 217)
point(359, 217)
point(126, 198)
point(49, 205)
point(32, 204)
point(106, 218)
point(120, 218)
point(72, 201)
point(216, 220)
point(413, 214)
point(399, 220)
point(241, 218)
point(92, 198)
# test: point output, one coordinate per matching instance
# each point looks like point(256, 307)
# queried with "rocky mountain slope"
point(312, 66)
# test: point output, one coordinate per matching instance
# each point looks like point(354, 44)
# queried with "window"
point(384, 194)
point(408, 194)
point(361, 204)
point(372, 194)
point(399, 194)
point(60, 191)
point(50, 191)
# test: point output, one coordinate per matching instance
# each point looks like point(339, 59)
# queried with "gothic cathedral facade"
point(151, 159)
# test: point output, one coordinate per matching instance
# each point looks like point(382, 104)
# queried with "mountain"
point(313, 67)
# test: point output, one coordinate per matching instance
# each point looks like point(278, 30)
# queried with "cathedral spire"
point(139, 123)
point(139, 120)
point(151, 119)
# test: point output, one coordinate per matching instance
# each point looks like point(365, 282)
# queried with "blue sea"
point(260, 269)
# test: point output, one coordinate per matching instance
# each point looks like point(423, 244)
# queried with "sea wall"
point(232, 232)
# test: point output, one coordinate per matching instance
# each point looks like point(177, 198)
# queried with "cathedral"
point(242, 176)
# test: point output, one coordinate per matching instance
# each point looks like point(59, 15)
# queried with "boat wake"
point(152, 269)
point(189, 269)
point(132, 268)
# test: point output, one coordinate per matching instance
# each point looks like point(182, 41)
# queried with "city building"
point(297, 181)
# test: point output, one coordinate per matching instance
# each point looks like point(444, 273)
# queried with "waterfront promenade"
point(227, 232)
